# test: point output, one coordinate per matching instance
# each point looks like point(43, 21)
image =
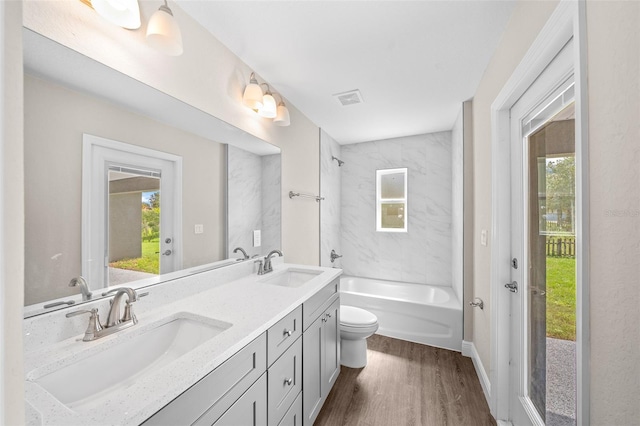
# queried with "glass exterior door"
point(550, 251)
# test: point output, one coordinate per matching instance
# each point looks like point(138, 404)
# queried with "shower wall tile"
point(271, 203)
point(330, 188)
point(423, 254)
point(244, 194)
point(457, 201)
point(253, 199)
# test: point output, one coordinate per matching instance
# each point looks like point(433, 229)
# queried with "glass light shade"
point(282, 116)
point(268, 109)
point(253, 95)
point(163, 32)
point(123, 13)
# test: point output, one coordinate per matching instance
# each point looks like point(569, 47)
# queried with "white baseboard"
point(469, 350)
point(504, 423)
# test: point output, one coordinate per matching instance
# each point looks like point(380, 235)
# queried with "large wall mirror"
point(127, 185)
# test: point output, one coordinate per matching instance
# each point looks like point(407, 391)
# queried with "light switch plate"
point(257, 238)
point(483, 237)
point(198, 228)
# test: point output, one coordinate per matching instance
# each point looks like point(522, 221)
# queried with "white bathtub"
point(426, 314)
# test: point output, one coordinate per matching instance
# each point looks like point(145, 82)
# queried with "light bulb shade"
point(253, 95)
point(282, 116)
point(268, 109)
point(163, 32)
point(123, 13)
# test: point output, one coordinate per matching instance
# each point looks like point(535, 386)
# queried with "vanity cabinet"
point(321, 350)
point(207, 400)
point(282, 378)
point(284, 354)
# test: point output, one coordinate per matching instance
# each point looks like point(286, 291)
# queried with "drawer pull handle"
point(288, 382)
point(329, 315)
point(287, 333)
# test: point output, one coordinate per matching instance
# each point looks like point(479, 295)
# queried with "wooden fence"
point(561, 246)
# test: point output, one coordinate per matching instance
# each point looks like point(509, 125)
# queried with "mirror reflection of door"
point(134, 224)
point(132, 213)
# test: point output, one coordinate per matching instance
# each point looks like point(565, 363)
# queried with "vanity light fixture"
point(264, 103)
point(282, 114)
point(252, 96)
point(123, 13)
point(269, 108)
point(163, 32)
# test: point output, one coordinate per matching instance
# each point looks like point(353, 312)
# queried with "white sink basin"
point(82, 384)
point(292, 277)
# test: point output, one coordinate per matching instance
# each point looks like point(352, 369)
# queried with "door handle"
point(167, 253)
point(512, 286)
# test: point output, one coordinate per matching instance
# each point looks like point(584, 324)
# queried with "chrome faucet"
point(267, 260)
point(96, 330)
point(84, 287)
point(244, 253)
point(114, 319)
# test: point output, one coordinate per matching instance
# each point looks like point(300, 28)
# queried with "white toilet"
point(355, 326)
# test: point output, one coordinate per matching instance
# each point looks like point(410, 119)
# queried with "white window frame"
point(380, 200)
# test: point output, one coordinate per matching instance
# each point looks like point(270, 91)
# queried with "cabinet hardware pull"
point(287, 333)
point(288, 381)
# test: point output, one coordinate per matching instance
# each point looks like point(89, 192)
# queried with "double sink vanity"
point(223, 347)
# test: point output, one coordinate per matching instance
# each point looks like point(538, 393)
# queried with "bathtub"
point(426, 314)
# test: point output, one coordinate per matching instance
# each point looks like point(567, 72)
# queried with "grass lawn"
point(149, 262)
point(561, 298)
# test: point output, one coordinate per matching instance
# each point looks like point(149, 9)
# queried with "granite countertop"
point(250, 305)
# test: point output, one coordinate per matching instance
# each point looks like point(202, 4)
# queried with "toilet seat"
point(352, 317)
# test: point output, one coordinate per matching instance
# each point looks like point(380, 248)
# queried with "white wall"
point(330, 189)
point(11, 215)
point(421, 255)
point(526, 22)
point(613, 40)
point(207, 76)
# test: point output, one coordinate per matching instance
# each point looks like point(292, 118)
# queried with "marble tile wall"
point(271, 203)
point(253, 201)
point(421, 255)
point(457, 211)
point(330, 188)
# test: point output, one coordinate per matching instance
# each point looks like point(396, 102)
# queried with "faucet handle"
point(94, 323)
point(128, 313)
point(260, 268)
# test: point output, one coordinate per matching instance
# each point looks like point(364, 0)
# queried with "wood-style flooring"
point(407, 383)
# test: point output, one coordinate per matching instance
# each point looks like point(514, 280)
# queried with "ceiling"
point(414, 62)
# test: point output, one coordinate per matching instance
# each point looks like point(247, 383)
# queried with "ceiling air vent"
point(349, 98)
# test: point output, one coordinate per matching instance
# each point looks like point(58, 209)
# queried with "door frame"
point(567, 21)
point(94, 218)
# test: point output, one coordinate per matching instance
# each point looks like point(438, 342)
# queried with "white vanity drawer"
point(317, 303)
point(283, 333)
point(210, 397)
point(293, 417)
point(285, 382)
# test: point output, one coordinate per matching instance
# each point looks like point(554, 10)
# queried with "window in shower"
point(391, 200)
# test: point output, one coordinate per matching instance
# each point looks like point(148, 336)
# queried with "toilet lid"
point(356, 317)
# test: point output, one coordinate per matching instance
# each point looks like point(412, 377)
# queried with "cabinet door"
point(250, 409)
point(284, 379)
point(312, 363)
point(331, 341)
